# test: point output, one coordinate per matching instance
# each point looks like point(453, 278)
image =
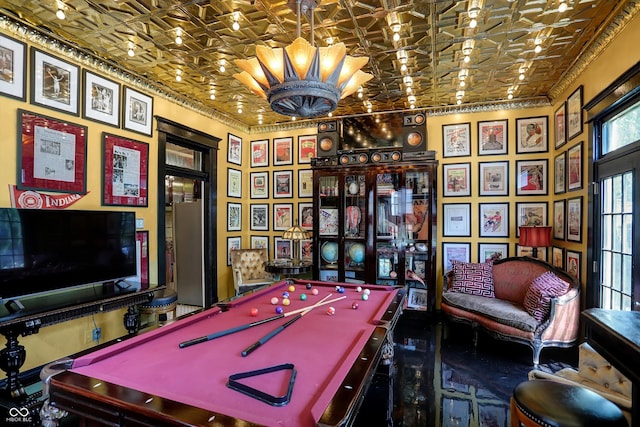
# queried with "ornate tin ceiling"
point(431, 34)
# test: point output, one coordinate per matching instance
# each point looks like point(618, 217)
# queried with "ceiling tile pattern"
point(432, 35)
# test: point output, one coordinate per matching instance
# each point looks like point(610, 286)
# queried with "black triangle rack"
point(260, 395)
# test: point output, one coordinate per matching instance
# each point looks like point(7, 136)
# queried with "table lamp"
point(535, 237)
point(295, 234)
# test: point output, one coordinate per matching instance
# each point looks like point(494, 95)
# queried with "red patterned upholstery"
point(473, 279)
point(537, 300)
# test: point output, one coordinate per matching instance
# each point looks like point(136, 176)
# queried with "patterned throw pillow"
point(537, 300)
point(473, 279)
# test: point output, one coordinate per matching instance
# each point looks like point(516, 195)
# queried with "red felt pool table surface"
point(324, 350)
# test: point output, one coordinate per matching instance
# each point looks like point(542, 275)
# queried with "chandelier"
point(301, 80)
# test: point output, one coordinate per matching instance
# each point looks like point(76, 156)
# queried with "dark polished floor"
point(441, 380)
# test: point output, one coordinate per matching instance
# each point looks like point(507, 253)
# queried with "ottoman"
point(160, 309)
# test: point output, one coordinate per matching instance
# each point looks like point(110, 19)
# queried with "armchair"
point(248, 267)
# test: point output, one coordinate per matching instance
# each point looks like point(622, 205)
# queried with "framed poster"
point(557, 257)
point(137, 111)
point(259, 217)
point(492, 251)
point(282, 151)
point(125, 163)
point(260, 153)
point(282, 248)
point(531, 177)
point(559, 173)
point(52, 154)
point(234, 149)
point(572, 263)
point(455, 252)
point(418, 299)
point(232, 243)
point(282, 184)
point(574, 114)
point(494, 219)
point(142, 245)
point(457, 219)
point(494, 178)
point(101, 100)
point(574, 219)
point(307, 148)
point(531, 214)
point(305, 183)
point(456, 140)
point(559, 126)
point(328, 222)
point(13, 81)
point(457, 181)
point(259, 185)
point(532, 135)
point(306, 250)
point(234, 183)
point(492, 137)
point(305, 215)
point(55, 83)
point(558, 219)
point(575, 167)
point(234, 216)
point(282, 216)
point(260, 242)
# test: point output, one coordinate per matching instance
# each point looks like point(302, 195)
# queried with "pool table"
point(150, 380)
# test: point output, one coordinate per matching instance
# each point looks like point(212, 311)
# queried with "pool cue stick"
point(247, 351)
point(245, 326)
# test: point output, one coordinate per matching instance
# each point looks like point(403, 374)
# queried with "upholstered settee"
point(248, 267)
point(491, 296)
point(595, 373)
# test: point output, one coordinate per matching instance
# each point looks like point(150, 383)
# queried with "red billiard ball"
point(331, 311)
point(354, 305)
point(254, 312)
point(315, 291)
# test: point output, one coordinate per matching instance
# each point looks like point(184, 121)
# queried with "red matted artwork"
point(126, 171)
point(52, 154)
point(142, 240)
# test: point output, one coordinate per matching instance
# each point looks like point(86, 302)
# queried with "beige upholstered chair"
point(248, 266)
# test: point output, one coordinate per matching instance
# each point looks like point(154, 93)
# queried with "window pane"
point(622, 130)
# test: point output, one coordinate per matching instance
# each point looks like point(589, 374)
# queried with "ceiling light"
point(462, 83)
point(235, 25)
point(301, 79)
point(178, 36)
point(178, 75)
point(131, 52)
point(60, 14)
point(562, 7)
point(403, 67)
point(473, 23)
point(396, 37)
point(460, 94)
point(222, 67)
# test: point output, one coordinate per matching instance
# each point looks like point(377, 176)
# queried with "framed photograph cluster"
point(125, 163)
point(13, 83)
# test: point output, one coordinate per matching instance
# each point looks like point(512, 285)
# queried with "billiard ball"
point(314, 291)
point(254, 312)
point(285, 295)
point(359, 289)
point(354, 305)
point(274, 300)
point(365, 297)
point(367, 291)
point(292, 288)
point(303, 297)
point(279, 310)
point(308, 285)
point(331, 311)
point(337, 288)
point(286, 301)
point(341, 289)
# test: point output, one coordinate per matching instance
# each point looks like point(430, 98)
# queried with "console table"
point(288, 269)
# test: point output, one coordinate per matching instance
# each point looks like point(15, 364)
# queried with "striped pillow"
point(473, 279)
point(537, 300)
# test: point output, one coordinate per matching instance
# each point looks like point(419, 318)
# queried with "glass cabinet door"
point(417, 225)
point(355, 215)
point(389, 226)
point(329, 227)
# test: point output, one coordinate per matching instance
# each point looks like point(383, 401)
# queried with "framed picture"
point(259, 217)
point(306, 250)
point(574, 219)
point(455, 252)
point(559, 173)
point(457, 181)
point(52, 154)
point(101, 100)
point(557, 257)
point(328, 222)
point(282, 248)
point(532, 177)
point(528, 251)
point(13, 82)
point(457, 219)
point(418, 299)
point(282, 184)
point(305, 183)
point(492, 137)
point(559, 126)
point(142, 249)
point(575, 167)
point(532, 135)
point(531, 214)
point(282, 151)
point(282, 216)
point(558, 219)
point(137, 111)
point(232, 243)
point(307, 148)
point(574, 114)
point(234, 216)
point(492, 251)
point(55, 83)
point(456, 140)
point(234, 183)
point(260, 153)
point(259, 185)
point(494, 219)
point(260, 242)
point(572, 263)
point(125, 163)
point(494, 178)
point(234, 150)
point(305, 215)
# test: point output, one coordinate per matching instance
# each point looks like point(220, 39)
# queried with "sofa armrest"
point(563, 323)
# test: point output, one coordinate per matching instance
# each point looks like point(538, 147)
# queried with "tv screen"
point(44, 250)
point(372, 131)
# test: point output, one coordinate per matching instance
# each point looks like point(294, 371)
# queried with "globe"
point(329, 252)
point(356, 252)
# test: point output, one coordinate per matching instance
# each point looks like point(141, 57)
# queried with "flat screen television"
point(372, 131)
point(46, 250)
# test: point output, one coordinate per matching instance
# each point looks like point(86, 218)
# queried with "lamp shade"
point(296, 233)
point(535, 237)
